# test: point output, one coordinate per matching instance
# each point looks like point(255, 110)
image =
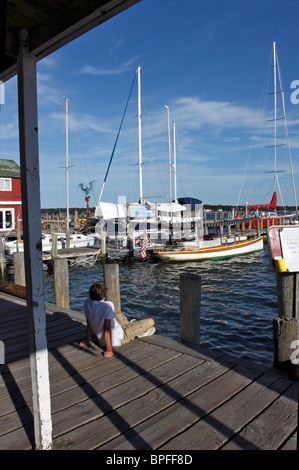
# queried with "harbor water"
point(238, 299)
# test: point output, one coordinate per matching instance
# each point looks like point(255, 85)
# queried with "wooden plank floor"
point(155, 393)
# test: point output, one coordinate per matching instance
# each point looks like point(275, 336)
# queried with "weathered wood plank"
point(270, 429)
point(140, 409)
point(113, 384)
point(86, 410)
point(15, 399)
point(137, 391)
point(215, 429)
point(155, 393)
point(66, 369)
point(178, 417)
point(291, 443)
point(77, 387)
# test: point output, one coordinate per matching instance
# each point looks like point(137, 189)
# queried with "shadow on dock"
point(154, 394)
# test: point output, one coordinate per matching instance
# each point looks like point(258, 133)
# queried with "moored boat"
point(76, 240)
point(216, 249)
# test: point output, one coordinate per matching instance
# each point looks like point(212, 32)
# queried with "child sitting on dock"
point(112, 329)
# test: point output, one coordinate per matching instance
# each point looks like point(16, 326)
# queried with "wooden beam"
point(54, 26)
point(30, 186)
point(13, 289)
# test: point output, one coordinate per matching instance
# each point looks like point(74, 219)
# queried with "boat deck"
point(155, 393)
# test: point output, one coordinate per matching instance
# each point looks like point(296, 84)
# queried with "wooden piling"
point(111, 280)
point(54, 246)
point(103, 243)
point(190, 299)
point(61, 282)
point(286, 326)
point(67, 239)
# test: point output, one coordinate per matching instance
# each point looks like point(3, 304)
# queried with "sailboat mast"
point(169, 153)
point(67, 162)
point(174, 163)
point(275, 116)
point(139, 137)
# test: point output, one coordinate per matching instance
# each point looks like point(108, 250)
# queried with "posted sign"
point(284, 247)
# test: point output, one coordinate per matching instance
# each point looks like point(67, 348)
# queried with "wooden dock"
point(154, 394)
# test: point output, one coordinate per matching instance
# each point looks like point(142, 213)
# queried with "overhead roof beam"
point(53, 28)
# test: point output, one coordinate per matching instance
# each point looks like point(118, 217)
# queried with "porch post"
point(30, 186)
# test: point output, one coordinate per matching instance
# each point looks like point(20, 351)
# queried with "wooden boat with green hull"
point(211, 249)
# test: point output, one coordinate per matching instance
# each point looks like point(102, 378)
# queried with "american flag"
point(145, 242)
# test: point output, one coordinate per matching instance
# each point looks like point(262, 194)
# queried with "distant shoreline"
point(212, 207)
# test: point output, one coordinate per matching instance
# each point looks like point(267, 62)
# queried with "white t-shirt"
point(97, 311)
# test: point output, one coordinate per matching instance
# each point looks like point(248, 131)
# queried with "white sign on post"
point(284, 247)
point(289, 238)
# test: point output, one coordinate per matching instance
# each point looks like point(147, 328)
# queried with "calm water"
point(238, 299)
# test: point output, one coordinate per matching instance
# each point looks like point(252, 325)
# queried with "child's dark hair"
point(97, 291)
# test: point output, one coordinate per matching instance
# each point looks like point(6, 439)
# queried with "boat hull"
point(76, 241)
point(213, 253)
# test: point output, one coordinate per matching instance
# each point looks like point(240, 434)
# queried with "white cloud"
point(196, 113)
point(124, 67)
point(10, 130)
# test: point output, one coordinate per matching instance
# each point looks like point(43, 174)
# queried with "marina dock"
point(154, 394)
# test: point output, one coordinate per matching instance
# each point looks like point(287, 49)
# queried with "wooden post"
point(31, 209)
point(131, 243)
point(19, 268)
point(54, 246)
point(67, 239)
point(258, 226)
point(76, 219)
point(286, 326)
point(190, 298)
point(61, 282)
point(103, 243)
point(111, 280)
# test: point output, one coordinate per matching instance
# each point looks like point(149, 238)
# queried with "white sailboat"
point(158, 220)
point(64, 239)
point(219, 248)
point(268, 211)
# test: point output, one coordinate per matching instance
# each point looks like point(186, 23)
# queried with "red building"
point(10, 196)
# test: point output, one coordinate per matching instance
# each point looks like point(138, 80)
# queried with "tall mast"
point(174, 164)
point(139, 137)
point(67, 162)
point(169, 152)
point(275, 116)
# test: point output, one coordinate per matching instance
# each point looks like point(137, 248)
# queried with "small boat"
point(211, 249)
point(76, 240)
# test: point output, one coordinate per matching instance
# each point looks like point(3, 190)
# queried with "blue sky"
point(208, 61)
